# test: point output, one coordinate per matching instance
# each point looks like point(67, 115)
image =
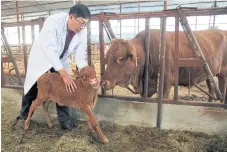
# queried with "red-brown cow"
point(123, 56)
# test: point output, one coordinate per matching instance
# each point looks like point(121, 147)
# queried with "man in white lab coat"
point(62, 34)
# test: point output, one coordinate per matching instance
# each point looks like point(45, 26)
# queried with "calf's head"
point(88, 76)
point(122, 62)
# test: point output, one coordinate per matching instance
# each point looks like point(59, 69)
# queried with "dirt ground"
point(122, 138)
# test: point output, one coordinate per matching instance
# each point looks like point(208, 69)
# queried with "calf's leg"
point(94, 102)
point(45, 108)
point(32, 108)
point(90, 126)
point(41, 97)
point(94, 123)
point(168, 81)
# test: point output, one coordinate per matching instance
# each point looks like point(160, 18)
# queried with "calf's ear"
point(113, 41)
point(92, 65)
point(75, 72)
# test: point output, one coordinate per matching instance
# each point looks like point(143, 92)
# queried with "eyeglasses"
point(82, 23)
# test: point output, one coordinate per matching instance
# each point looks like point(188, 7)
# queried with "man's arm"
point(48, 36)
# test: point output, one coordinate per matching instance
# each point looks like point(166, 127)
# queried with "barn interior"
point(184, 122)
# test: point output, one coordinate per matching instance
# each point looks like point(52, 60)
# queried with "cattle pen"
point(176, 113)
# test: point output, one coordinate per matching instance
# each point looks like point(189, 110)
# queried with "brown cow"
point(123, 56)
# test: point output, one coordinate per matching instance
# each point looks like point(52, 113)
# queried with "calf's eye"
point(121, 59)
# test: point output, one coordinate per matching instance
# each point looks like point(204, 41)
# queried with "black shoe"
point(17, 119)
point(67, 125)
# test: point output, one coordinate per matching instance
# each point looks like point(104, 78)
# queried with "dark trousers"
point(62, 111)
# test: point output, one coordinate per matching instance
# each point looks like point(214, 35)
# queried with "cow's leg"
point(222, 86)
point(211, 89)
point(168, 81)
point(94, 123)
point(45, 108)
point(32, 108)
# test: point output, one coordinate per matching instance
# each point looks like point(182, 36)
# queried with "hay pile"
point(122, 138)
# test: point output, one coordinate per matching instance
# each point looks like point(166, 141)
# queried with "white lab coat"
point(48, 47)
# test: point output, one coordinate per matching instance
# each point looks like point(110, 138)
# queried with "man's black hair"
point(80, 10)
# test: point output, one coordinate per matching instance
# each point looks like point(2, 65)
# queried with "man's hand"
point(68, 80)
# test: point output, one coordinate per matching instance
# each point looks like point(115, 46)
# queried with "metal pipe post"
point(108, 25)
point(215, 6)
point(138, 18)
point(120, 22)
point(41, 26)
point(147, 48)
point(18, 28)
point(162, 71)
point(33, 33)
point(24, 49)
point(176, 60)
point(89, 43)
point(2, 74)
point(161, 78)
point(101, 45)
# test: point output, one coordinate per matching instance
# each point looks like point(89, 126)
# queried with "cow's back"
point(211, 41)
point(225, 50)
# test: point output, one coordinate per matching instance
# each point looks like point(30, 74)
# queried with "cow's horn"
point(132, 50)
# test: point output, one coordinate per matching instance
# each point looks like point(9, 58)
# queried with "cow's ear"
point(132, 50)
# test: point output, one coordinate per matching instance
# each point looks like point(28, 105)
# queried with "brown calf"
point(51, 87)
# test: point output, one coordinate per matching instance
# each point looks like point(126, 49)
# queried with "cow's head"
point(122, 64)
point(125, 65)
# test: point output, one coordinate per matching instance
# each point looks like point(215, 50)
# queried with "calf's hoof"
point(51, 126)
point(26, 125)
point(211, 100)
point(105, 141)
